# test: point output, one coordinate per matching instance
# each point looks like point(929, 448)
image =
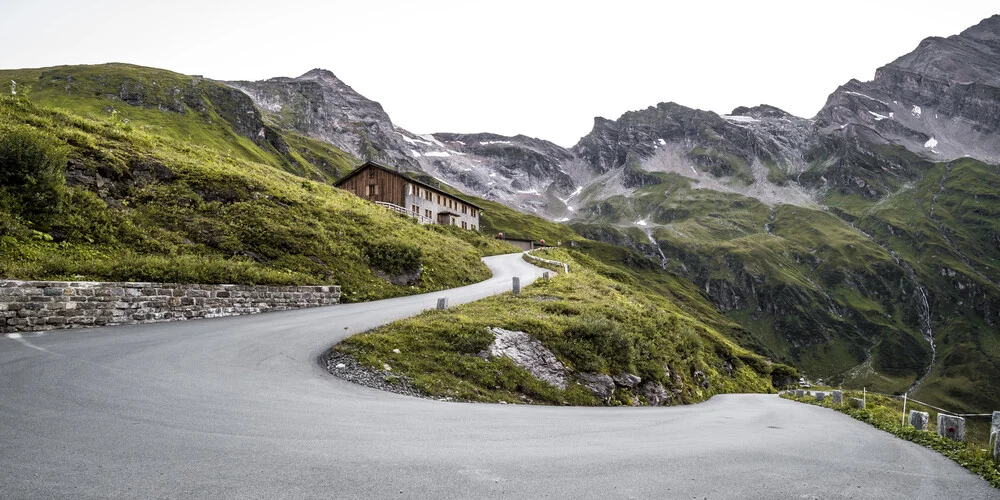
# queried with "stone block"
point(919, 419)
point(800, 393)
point(995, 426)
point(837, 397)
point(517, 285)
point(52, 291)
point(820, 396)
point(857, 403)
point(951, 427)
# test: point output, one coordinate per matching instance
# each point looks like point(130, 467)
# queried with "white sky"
point(539, 68)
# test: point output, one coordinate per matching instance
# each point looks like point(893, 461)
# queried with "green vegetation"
point(592, 323)
point(886, 414)
point(139, 206)
point(943, 226)
point(805, 286)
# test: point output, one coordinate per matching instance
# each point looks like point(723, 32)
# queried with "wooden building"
point(391, 189)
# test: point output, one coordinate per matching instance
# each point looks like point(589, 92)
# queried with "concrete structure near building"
point(389, 188)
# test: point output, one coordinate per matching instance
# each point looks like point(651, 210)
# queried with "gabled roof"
point(408, 179)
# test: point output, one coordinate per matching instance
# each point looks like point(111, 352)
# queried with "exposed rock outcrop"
point(528, 353)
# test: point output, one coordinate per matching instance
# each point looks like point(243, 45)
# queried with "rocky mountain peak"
point(761, 111)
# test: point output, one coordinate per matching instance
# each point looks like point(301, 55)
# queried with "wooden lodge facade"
point(391, 189)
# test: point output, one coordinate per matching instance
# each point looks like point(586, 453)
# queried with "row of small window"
point(441, 200)
point(430, 215)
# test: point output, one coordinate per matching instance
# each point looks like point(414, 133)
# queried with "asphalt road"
point(240, 408)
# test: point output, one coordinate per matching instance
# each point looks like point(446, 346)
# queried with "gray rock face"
point(603, 386)
point(919, 419)
point(655, 394)
point(939, 101)
point(530, 354)
point(626, 379)
point(951, 427)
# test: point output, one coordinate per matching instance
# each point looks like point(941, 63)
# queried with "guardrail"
point(564, 265)
point(959, 418)
point(398, 209)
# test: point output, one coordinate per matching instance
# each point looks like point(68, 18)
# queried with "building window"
point(409, 190)
point(473, 227)
point(372, 190)
point(465, 209)
point(416, 209)
point(439, 199)
point(427, 213)
point(473, 210)
point(464, 225)
point(429, 196)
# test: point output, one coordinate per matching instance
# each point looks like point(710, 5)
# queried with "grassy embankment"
point(138, 205)
point(885, 413)
point(592, 323)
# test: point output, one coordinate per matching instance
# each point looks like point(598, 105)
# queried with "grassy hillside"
point(83, 198)
point(180, 107)
point(809, 288)
point(591, 322)
point(947, 226)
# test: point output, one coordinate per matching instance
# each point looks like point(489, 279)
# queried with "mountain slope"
point(123, 204)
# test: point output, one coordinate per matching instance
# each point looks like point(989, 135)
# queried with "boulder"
point(625, 379)
point(654, 393)
point(528, 353)
point(603, 386)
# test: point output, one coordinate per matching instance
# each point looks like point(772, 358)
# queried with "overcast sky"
point(543, 69)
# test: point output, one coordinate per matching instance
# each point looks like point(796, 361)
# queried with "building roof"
point(408, 179)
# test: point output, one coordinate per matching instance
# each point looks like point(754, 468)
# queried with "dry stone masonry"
point(28, 306)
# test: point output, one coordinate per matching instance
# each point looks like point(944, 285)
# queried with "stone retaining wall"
point(28, 306)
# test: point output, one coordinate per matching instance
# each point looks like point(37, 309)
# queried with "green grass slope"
point(85, 198)
point(947, 226)
point(808, 287)
point(180, 107)
point(591, 322)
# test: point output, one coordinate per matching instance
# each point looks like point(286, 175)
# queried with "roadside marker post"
point(517, 285)
point(442, 303)
point(903, 422)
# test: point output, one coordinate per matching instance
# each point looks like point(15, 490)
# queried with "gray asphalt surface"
point(241, 408)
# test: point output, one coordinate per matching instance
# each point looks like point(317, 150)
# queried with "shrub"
point(32, 169)
point(392, 257)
